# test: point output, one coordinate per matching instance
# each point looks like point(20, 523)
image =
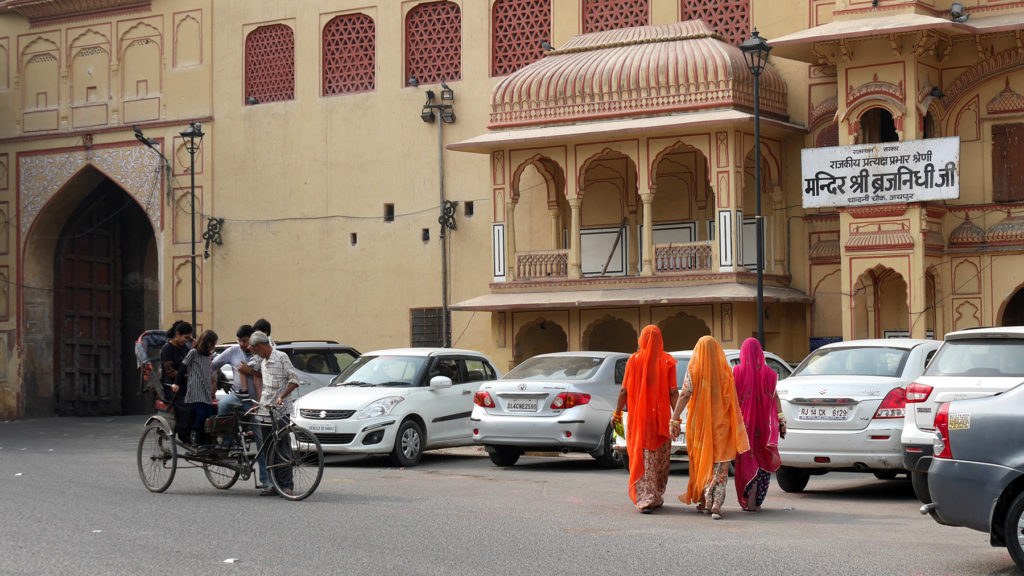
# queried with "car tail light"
point(918, 393)
point(567, 400)
point(483, 399)
point(893, 404)
point(942, 447)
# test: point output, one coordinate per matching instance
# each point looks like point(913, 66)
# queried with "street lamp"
point(755, 51)
point(429, 114)
point(193, 138)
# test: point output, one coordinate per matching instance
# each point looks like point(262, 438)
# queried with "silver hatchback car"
point(552, 402)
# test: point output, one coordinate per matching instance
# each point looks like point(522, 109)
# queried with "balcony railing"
point(542, 264)
point(686, 257)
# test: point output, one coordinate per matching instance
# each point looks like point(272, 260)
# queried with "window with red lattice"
point(730, 18)
point(270, 64)
point(518, 28)
point(601, 15)
point(349, 65)
point(433, 43)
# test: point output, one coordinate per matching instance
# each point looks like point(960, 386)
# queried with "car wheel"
point(408, 444)
point(609, 458)
point(792, 479)
point(1014, 530)
point(885, 474)
point(504, 455)
point(920, 482)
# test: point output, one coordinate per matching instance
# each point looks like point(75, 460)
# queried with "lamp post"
point(755, 51)
point(429, 114)
point(193, 138)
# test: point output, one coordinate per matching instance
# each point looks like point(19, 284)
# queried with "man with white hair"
point(279, 381)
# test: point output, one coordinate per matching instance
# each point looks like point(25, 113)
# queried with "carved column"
point(648, 232)
point(575, 257)
point(556, 227)
point(510, 240)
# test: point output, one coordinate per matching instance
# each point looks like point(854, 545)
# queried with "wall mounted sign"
point(887, 173)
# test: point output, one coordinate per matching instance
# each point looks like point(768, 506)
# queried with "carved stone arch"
point(672, 148)
point(681, 331)
point(1011, 310)
point(37, 46)
point(141, 30)
point(610, 334)
point(895, 107)
point(88, 37)
point(966, 122)
point(188, 41)
point(966, 278)
point(541, 336)
point(552, 171)
point(1002, 64)
point(966, 314)
point(769, 160)
point(604, 154)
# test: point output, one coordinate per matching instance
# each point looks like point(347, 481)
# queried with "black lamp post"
point(756, 50)
point(193, 138)
point(429, 114)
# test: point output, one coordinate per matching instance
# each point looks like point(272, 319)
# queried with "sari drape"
point(714, 425)
point(649, 373)
point(755, 389)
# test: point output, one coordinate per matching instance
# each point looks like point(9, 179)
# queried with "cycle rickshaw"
point(295, 461)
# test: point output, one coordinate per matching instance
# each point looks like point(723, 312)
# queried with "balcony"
point(542, 264)
point(687, 257)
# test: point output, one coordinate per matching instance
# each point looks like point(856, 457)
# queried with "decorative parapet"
point(542, 264)
point(1009, 231)
point(670, 258)
point(880, 236)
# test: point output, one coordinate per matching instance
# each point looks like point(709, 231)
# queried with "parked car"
point(970, 364)
point(398, 402)
point(732, 355)
point(551, 402)
point(317, 362)
point(844, 406)
point(976, 476)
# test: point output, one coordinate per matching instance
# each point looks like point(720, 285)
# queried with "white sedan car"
point(682, 357)
point(844, 407)
point(398, 402)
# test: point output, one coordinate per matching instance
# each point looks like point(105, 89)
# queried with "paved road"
point(71, 503)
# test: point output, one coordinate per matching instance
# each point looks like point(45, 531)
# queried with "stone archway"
point(89, 281)
point(1013, 310)
point(610, 334)
point(539, 337)
point(880, 304)
point(681, 331)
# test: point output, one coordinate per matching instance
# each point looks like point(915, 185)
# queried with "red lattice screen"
point(519, 26)
point(349, 55)
point(601, 15)
point(270, 64)
point(433, 43)
point(730, 18)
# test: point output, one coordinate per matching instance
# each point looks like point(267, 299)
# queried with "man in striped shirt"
point(279, 381)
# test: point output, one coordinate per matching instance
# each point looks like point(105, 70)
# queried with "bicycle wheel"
point(222, 477)
point(157, 458)
point(295, 463)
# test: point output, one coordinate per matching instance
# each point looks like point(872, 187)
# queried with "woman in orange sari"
point(714, 425)
point(649, 387)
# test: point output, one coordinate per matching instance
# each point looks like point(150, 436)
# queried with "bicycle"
point(295, 460)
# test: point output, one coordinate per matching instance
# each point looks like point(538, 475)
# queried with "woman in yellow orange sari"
point(649, 387)
point(714, 425)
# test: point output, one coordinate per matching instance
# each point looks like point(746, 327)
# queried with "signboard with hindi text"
point(886, 173)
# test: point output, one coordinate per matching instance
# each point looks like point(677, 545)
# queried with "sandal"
point(716, 513)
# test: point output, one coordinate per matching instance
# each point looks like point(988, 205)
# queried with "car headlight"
point(379, 408)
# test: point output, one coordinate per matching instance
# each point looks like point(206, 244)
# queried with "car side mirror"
point(440, 382)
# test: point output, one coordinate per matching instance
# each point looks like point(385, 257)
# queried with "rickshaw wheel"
point(157, 458)
point(222, 477)
point(296, 463)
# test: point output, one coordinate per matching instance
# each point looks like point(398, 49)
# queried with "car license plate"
point(823, 413)
point(522, 405)
point(316, 427)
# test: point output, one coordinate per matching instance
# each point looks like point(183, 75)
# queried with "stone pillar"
point(575, 258)
point(632, 250)
point(510, 240)
point(556, 227)
point(648, 234)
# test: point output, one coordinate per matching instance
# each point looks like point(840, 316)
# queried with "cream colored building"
point(602, 185)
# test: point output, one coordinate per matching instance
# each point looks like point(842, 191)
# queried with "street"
point(73, 504)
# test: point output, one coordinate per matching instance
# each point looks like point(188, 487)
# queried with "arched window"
point(433, 43)
point(876, 126)
point(730, 18)
point(518, 27)
point(349, 65)
point(929, 125)
point(270, 64)
point(601, 15)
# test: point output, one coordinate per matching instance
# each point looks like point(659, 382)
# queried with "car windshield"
point(382, 371)
point(556, 368)
point(979, 357)
point(681, 365)
point(863, 361)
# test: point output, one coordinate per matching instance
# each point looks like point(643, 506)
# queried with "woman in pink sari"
point(762, 415)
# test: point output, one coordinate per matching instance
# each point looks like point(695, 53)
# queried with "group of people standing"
point(260, 373)
point(733, 415)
